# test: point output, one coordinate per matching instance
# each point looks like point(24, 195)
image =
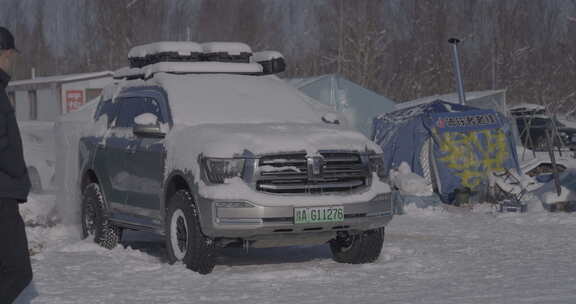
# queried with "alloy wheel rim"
point(179, 234)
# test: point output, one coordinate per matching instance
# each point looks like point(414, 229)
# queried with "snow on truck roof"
point(189, 67)
point(181, 47)
point(185, 48)
point(228, 98)
point(228, 47)
point(62, 78)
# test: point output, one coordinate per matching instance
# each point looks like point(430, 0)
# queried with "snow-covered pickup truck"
point(214, 154)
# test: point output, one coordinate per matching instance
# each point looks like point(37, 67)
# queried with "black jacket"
point(14, 182)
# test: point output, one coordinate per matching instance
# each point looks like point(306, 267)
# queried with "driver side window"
point(131, 107)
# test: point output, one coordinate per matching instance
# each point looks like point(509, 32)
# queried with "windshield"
point(200, 99)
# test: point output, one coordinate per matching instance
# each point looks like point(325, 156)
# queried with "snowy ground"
point(430, 256)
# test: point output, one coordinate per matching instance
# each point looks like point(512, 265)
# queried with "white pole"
point(459, 81)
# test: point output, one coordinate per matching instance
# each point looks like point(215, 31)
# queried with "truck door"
point(110, 157)
point(146, 162)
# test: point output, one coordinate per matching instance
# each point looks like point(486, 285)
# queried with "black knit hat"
point(6, 40)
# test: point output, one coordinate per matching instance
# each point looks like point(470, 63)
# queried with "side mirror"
point(331, 118)
point(146, 125)
point(153, 131)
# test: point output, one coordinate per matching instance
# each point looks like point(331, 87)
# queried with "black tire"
point(94, 221)
point(359, 248)
point(35, 180)
point(184, 239)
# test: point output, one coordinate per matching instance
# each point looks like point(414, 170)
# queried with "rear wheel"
point(94, 221)
point(359, 248)
point(184, 239)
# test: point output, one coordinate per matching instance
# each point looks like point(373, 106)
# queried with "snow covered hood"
point(227, 140)
point(222, 98)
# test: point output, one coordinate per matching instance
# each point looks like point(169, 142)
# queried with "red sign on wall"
point(74, 100)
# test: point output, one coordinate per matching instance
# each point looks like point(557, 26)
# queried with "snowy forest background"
point(396, 47)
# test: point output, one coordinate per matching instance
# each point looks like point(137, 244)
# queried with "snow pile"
point(552, 197)
point(513, 183)
point(428, 254)
point(40, 210)
point(69, 129)
point(39, 150)
point(408, 182)
point(431, 211)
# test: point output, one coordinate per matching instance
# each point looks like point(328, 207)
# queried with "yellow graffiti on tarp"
point(474, 154)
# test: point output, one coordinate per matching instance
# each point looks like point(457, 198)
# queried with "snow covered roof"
point(183, 48)
point(451, 97)
point(233, 48)
point(62, 78)
point(190, 67)
point(528, 106)
point(266, 55)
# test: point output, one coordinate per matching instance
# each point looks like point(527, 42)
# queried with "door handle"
point(100, 146)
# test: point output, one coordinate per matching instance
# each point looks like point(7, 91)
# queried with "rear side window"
point(131, 107)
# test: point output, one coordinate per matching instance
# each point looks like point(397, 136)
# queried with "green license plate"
point(314, 215)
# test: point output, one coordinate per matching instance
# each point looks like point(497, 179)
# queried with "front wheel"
point(94, 221)
point(359, 248)
point(184, 239)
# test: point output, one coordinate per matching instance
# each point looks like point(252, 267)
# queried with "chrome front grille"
point(325, 173)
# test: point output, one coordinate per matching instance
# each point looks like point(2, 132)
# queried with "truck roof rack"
point(189, 68)
point(186, 52)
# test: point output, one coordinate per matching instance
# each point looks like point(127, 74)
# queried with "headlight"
point(377, 165)
point(219, 169)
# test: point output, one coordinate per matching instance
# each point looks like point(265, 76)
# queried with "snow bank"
point(69, 129)
point(408, 182)
point(552, 197)
point(40, 210)
point(39, 150)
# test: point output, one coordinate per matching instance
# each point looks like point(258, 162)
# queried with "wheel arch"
point(177, 180)
point(89, 176)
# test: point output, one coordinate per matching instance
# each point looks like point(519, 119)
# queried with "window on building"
point(33, 102)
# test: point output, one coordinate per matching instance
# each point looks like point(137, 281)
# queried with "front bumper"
point(267, 222)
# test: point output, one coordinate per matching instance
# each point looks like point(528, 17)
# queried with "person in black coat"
point(15, 267)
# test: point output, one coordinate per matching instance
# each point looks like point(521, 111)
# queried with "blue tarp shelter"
point(357, 104)
point(451, 145)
